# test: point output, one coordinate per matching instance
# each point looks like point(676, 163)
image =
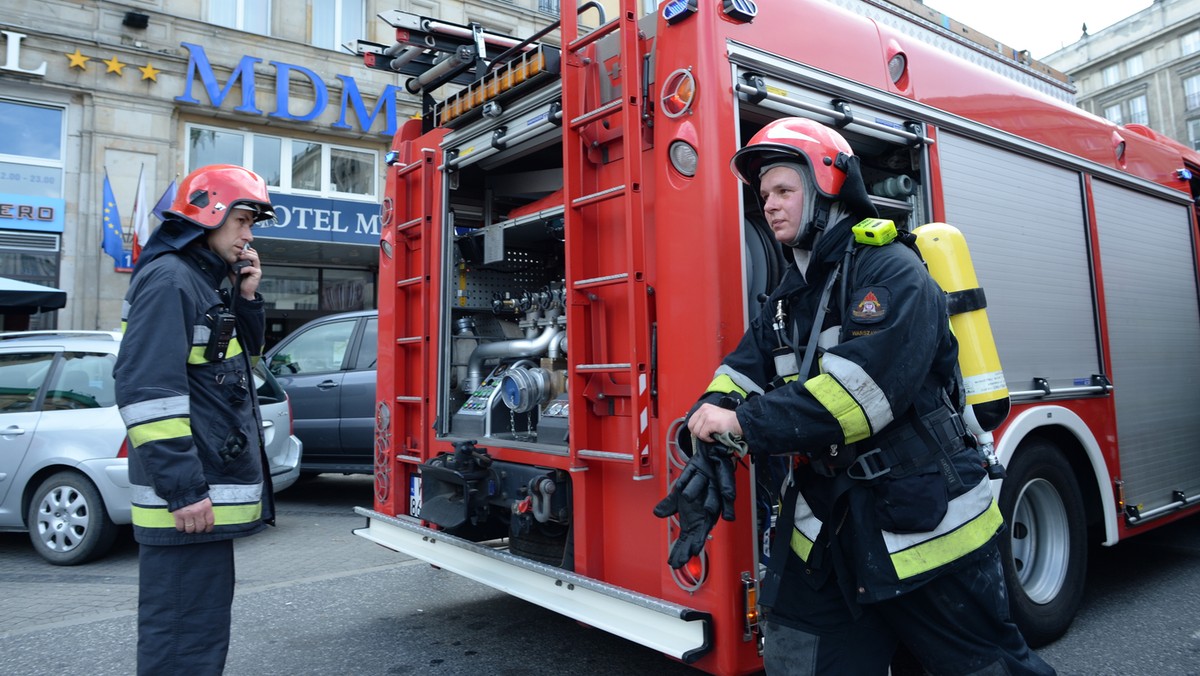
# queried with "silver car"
point(64, 474)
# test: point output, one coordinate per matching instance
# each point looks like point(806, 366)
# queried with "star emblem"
point(78, 60)
point(114, 66)
point(149, 72)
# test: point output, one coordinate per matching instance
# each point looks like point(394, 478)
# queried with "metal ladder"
point(603, 384)
point(404, 298)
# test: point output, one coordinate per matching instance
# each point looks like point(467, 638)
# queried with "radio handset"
point(242, 264)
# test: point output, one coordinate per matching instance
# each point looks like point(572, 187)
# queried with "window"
point(1190, 43)
point(252, 16)
point(1111, 75)
point(368, 346)
point(345, 290)
point(31, 156)
point(320, 349)
point(85, 380)
point(21, 377)
point(267, 159)
point(213, 146)
point(1134, 110)
point(1138, 112)
point(1133, 66)
point(336, 22)
point(328, 290)
point(1194, 133)
point(548, 6)
point(289, 165)
point(351, 171)
point(1113, 114)
point(306, 165)
point(1191, 92)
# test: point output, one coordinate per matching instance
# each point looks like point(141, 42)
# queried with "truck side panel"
point(1148, 258)
point(1025, 223)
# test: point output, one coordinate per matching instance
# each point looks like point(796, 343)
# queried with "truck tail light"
point(678, 93)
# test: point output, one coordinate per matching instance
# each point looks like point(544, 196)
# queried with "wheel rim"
point(1040, 541)
point(62, 519)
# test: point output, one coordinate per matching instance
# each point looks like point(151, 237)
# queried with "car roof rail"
point(109, 335)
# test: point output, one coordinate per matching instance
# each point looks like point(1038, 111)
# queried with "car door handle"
point(327, 385)
point(12, 430)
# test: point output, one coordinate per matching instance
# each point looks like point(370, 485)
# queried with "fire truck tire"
point(538, 546)
point(1045, 549)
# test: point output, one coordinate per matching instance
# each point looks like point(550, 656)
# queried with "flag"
point(140, 221)
point(112, 226)
point(165, 202)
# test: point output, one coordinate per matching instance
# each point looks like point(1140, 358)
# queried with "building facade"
point(104, 104)
point(1144, 69)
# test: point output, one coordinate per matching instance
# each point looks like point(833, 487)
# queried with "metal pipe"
point(521, 347)
point(462, 57)
point(462, 32)
point(406, 55)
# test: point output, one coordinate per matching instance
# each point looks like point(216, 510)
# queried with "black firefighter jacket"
point(890, 362)
point(193, 422)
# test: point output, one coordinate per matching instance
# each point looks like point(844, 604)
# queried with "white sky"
point(1041, 26)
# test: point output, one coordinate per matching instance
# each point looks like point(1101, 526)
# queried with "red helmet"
point(207, 194)
point(796, 138)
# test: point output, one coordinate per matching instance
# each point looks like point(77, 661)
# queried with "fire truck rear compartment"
point(472, 495)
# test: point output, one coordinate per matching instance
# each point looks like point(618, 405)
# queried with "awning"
point(23, 297)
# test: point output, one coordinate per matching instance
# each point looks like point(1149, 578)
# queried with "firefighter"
point(887, 531)
point(187, 396)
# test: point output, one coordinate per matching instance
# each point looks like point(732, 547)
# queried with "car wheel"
point(1045, 549)
point(68, 522)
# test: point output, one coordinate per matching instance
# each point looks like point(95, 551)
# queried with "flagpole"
point(99, 274)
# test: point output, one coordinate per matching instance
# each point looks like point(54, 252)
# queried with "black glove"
point(704, 490)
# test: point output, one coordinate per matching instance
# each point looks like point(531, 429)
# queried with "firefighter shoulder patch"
point(870, 305)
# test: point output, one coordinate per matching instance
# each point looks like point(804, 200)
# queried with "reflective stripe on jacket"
point(970, 522)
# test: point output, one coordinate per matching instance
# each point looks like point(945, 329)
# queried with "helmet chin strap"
point(807, 236)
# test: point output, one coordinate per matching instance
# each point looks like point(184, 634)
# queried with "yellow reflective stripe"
point(223, 515)
point(948, 547)
point(806, 525)
point(196, 356)
point(801, 545)
point(792, 379)
point(740, 381)
point(170, 428)
point(124, 325)
point(860, 385)
point(724, 384)
point(841, 406)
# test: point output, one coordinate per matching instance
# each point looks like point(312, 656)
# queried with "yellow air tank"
point(945, 251)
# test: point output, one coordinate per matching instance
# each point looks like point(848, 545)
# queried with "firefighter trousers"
point(956, 625)
point(185, 598)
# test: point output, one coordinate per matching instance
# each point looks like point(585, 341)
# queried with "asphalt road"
point(313, 598)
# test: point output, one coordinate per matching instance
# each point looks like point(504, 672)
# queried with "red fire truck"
point(566, 257)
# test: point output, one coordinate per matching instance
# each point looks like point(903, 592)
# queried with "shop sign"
point(288, 75)
point(26, 212)
point(320, 219)
point(12, 55)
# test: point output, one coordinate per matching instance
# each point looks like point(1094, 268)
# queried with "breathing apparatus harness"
point(941, 429)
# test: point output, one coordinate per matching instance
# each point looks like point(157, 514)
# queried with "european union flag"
point(112, 244)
